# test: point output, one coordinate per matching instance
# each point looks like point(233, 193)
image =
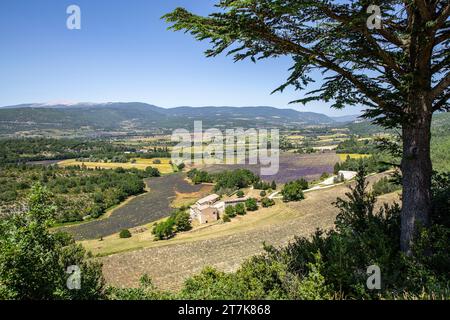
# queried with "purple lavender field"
point(292, 166)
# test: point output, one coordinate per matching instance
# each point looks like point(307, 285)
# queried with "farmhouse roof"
point(237, 200)
point(211, 198)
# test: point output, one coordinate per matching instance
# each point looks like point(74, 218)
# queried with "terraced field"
point(224, 246)
point(141, 210)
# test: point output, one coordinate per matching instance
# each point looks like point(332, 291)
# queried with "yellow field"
point(295, 137)
point(141, 164)
point(333, 136)
point(343, 156)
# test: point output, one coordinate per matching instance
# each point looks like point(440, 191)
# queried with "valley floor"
point(222, 245)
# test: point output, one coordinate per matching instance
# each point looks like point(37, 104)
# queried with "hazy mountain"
point(127, 117)
point(348, 118)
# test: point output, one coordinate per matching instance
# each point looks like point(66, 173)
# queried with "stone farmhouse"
point(209, 209)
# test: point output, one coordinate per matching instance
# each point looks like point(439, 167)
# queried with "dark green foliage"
point(230, 211)
point(251, 204)
point(124, 234)
point(235, 179)
point(33, 260)
point(266, 202)
point(385, 185)
point(240, 209)
point(178, 221)
point(79, 193)
point(226, 218)
point(182, 220)
point(375, 163)
point(42, 149)
point(353, 145)
point(261, 185)
point(273, 186)
point(226, 181)
point(152, 172)
point(293, 191)
point(164, 230)
point(198, 176)
point(240, 194)
point(262, 193)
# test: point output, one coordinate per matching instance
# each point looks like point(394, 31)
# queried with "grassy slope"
point(440, 142)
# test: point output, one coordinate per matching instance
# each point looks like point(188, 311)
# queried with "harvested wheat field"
point(224, 246)
point(163, 164)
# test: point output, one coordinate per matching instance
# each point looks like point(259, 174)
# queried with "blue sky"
point(124, 52)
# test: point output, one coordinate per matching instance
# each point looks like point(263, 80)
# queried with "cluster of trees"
point(79, 193)
point(226, 181)
point(266, 202)
point(262, 185)
point(293, 190)
point(230, 181)
point(178, 221)
point(199, 176)
point(353, 145)
point(240, 209)
point(37, 149)
point(375, 163)
point(385, 185)
point(155, 152)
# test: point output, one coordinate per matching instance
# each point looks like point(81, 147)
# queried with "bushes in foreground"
point(36, 264)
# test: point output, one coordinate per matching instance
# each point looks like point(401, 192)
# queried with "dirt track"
point(170, 264)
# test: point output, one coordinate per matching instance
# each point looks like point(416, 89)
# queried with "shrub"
point(240, 209)
point(125, 233)
point(226, 218)
point(156, 161)
point(182, 220)
point(293, 191)
point(251, 204)
point(34, 260)
point(273, 186)
point(152, 172)
point(230, 211)
point(266, 202)
point(384, 185)
point(325, 176)
point(240, 194)
point(263, 193)
point(164, 230)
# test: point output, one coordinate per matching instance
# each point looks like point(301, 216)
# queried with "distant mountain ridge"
point(136, 116)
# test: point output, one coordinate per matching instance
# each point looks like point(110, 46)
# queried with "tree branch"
point(385, 56)
point(441, 86)
point(441, 103)
point(443, 16)
point(423, 9)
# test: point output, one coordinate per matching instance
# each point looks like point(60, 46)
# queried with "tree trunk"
point(416, 170)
